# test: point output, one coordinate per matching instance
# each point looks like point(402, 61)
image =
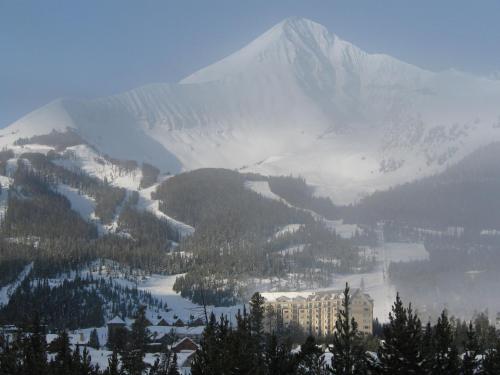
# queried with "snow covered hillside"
point(298, 99)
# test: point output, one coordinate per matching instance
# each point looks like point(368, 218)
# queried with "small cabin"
point(184, 344)
point(115, 324)
point(162, 323)
point(179, 323)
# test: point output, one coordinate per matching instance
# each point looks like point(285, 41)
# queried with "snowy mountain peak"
point(289, 42)
point(297, 99)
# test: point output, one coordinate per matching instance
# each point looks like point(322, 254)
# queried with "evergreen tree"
point(62, 363)
point(94, 339)
point(114, 365)
point(427, 348)
point(491, 361)
point(10, 361)
point(257, 332)
point(348, 353)
point(206, 361)
point(471, 351)
point(445, 361)
point(172, 369)
point(400, 353)
point(86, 367)
point(241, 340)
point(310, 359)
point(35, 350)
point(133, 356)
point(278, 357)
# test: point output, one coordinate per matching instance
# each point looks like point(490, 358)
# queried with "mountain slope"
point(299, 100)
point(464, 195)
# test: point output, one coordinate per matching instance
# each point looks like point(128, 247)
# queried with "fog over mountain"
point(300, 100)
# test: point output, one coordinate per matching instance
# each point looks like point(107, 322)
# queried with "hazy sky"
point(50, 49)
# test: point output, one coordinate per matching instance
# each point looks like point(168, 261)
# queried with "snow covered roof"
point(178, 342)
point(181, 331)
point(116, 320)
point(282, 299)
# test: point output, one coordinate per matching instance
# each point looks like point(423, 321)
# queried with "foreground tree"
point(349, 355)
point(133, 356)
point(113, 365)
point(445, 357)
point(400, 353)
point(94, 340)
point(310, 358)
point(471, 351)
point(491, 361)
point(257, 332)
point(35, 350)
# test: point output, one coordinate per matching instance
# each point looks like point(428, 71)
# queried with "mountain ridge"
point(296, 100)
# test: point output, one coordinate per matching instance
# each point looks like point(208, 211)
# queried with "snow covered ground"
point(101, 356)
point(262, 188)
point(162, 287)
point(5, 184)
point(7, 291)
point(343, 230)
point(148, 204)
point(80, 202)
point(83, 157)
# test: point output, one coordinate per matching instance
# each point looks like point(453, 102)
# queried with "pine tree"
point(278, 357)
point(241, 341)
point(62, 363)
point(310, 359)
point(35, 350)
point(445, 361)
point(400, 354)
point(206, 361)
point(348, 353)
point(10, 361)
point(94, 340)
point(133, 356)
point(491, 361)
point(427, 348)
point(114, 365)
point(257, 332)
point(172, 369)
point(471, 351)
point(86, 367)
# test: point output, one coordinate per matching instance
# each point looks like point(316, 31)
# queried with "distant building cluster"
point(317, 313)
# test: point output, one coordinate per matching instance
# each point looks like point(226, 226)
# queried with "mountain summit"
point(297, 99)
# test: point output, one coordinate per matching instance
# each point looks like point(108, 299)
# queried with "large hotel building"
point(317, 313)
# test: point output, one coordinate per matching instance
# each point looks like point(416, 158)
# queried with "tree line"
point(404, 346)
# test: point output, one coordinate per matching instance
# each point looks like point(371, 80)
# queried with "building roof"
point(178, 342)
point(116, 320)
point(321, 296)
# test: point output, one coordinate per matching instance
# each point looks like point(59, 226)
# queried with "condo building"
point(317, 313)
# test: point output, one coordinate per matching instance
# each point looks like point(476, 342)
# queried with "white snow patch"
point(83, 157)
point(293, 250)
point(288, 229)
point(80, 202)
point(343, 230)
point(162, 287)
point(5, 183)
point(262, 188)
point(148, 204)
point(7, 291)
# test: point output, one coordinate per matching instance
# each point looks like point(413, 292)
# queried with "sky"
point(83, 49)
